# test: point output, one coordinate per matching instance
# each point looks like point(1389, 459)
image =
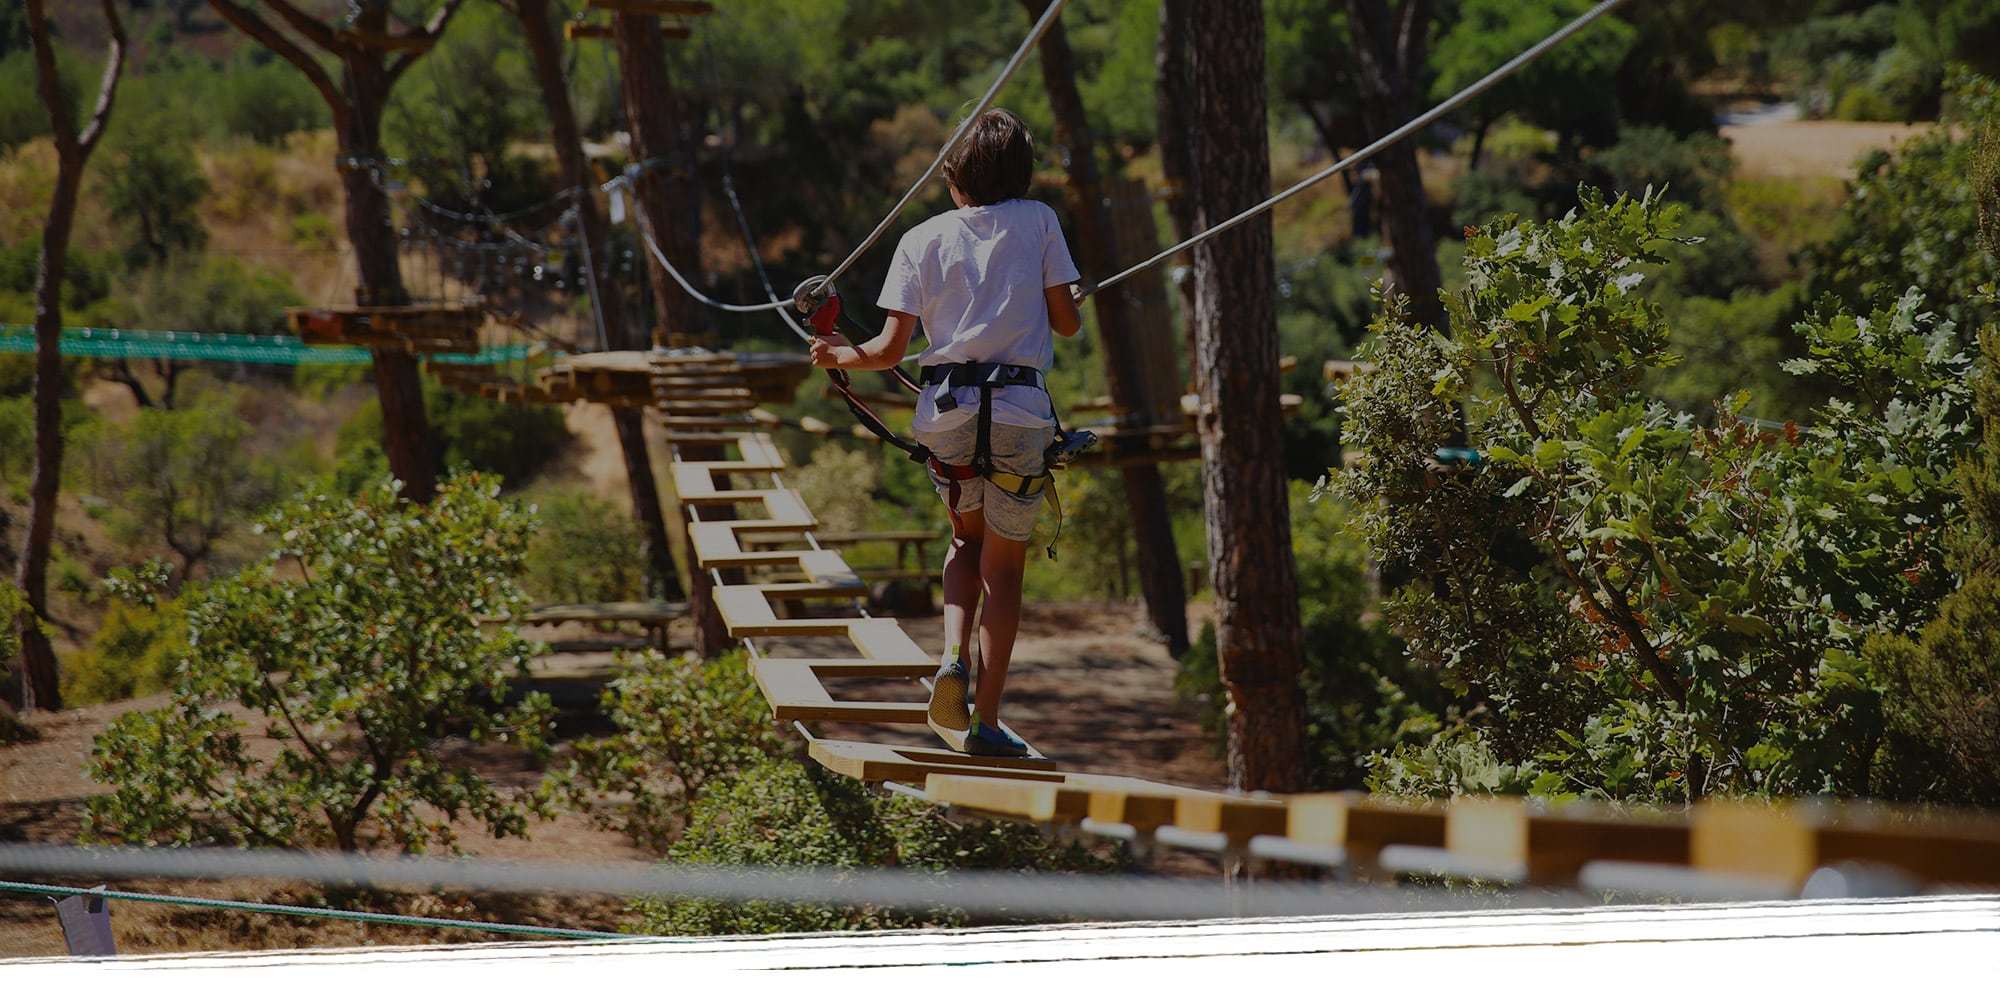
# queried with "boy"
point(991, 281)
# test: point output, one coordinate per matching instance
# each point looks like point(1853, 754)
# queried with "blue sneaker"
point(989, 741)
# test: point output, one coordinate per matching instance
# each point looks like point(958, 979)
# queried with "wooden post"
point(1249, 533)
point(663, 143)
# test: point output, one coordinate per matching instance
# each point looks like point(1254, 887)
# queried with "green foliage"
point(784, 813)
point(17, 439)
point(1943, 721)
point(511, 440)
point(839, 483)
point(22, 115)
point(265, 99)
point(137, 650)
point(154, 187)
point(1692, 169)
point(1912, 220)
point(458, 111)
point(179, 478)
point(203, 293)
point(1649, 606)
point(1363, 695)
point(680, 723)
point(586, 550)
point(1571, 90)
point(357, 647)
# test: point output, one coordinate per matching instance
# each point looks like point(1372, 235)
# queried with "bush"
point(783, 813)
point(1363, 694)
point(359, 648)
point(137, 650)
point(585, 551)
point(1692, 169)
point(511, 440)
point(1647, 606)
point(681, 722)
point(154, 187)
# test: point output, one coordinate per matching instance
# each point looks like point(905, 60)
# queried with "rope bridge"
point(205, 346)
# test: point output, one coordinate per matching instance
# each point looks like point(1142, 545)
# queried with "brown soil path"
point(1086, 688)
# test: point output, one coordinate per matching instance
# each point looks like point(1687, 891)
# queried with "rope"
point(1392, 138)
point(757, 261)
point(653, 245)
point(1034, 37)
point(298, 911)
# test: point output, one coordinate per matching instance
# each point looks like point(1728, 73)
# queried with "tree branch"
point(114, 65)
point(313, 29)
point(263, 33)
point(433, 30)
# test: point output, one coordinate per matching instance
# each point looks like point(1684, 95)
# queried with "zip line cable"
point(1388, 140)
point(302, 911)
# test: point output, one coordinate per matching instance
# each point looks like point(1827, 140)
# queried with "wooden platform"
point(417, 328)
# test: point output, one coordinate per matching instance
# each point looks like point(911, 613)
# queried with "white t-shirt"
point(975, 277)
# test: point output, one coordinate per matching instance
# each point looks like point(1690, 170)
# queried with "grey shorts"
point(1016, 450)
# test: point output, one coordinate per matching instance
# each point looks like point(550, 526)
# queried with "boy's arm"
point(880, 352)
point(1063, 318)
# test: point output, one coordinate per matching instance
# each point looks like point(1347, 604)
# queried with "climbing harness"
point(823, 310)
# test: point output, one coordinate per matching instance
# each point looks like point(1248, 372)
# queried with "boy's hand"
point(825, 351)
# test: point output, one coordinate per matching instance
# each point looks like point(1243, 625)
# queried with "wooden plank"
point(747, 611)
point(891, 763)
point(715, 547)
point(795, 693)
point(574, 31)
point(1238, 817)
point(883, 640)
point(1549, 846)
point(1038, 800)
point(1362, 826)
point(785, 513)
point(1786, 843)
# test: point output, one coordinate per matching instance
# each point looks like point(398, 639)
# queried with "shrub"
point(586, 550)
point(137, 650)
point(510, 440)
point(1651, 607)
point(1911, 219)
point(783, 813)
point(359, 648)
point(1692, 169)
point(1363, 695)
point(154, 186)
point(681, 722)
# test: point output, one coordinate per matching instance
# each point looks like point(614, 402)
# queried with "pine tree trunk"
point(668, 194)
point(1145, 494)
point(1175, 106)
point(1389, 55)
point(618, 330)
point(1249, 536)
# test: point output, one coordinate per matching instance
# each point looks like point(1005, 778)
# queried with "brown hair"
point(995, 161)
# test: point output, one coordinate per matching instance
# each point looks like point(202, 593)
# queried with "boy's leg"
point(961, 604)
point(961, 580)
point(1001, 563)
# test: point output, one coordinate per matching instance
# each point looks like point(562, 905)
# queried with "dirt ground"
point(1086, 688)
point(1812, 148)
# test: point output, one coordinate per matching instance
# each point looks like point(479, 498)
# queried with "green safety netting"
point(203, 346)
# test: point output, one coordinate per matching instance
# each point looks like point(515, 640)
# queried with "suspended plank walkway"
point(1713, 847)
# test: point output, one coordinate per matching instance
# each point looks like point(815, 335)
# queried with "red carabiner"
point(825, 316)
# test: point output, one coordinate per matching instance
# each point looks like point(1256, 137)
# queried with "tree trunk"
point(1249, 536)
point(670, 198)
point(618, 331)
point(40, 686)
point(1175, 107)
point(1145, 493)
point(406, 436)
point(666, 188)
point(1389, 55)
